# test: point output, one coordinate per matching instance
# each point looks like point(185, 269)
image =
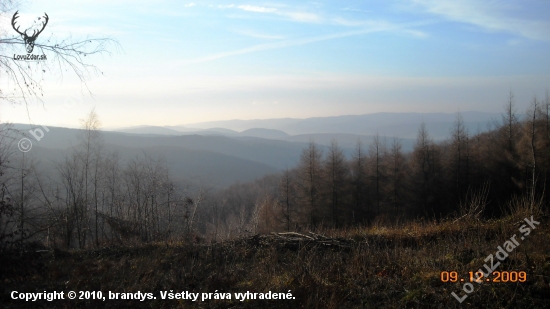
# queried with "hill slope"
point(365, 268)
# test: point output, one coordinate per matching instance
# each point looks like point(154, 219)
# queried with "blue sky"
point(186, 62)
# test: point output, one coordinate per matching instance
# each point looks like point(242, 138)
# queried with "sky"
point(183, 62)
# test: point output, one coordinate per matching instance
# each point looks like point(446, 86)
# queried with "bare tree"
point(532, 132)
point(358, 175)
point(459, 157)
point(215, 212)
point(112, 186)
point(287, 197)
point(91, 145)
point(8, 220)
point(191, 209)
point(17, 188)
point(510, 132)
point(376, 154)
point(425, 169)
point(309, 174)
point(72, 195)
point(59, 54)
point(335, 178)
point(396, 174)
point(546, 144)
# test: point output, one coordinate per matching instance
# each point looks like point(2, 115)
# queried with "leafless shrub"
point(473, 206)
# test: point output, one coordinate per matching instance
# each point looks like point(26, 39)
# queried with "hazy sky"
point(186, 62)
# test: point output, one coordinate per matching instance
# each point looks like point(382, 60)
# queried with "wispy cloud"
point(302, 16)
point(359, 23)
point(258, 35)
point(299, 16)
point(416, 33)
point(381, 24)
point(259, 9)
point(297, 42)
point(490, 15)
point(278, 45)
point(355, 10)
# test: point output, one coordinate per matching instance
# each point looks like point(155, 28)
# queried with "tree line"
point(94, 198)
point(469, 172)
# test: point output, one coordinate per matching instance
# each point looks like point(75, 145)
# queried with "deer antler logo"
point(29, 40)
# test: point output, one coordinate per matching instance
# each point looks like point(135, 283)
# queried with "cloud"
point(382, 24)
point(355, 10)
point(305, 17)
point(358, 23)
point(190, 5)
point(302, 17)
point(278, 45)
point(255, 34)
point(346, 22)
point(375, 27)
point(416, 33)
point(490, 15)
point(259, 9)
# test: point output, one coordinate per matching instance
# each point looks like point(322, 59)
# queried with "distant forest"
point(101, 200)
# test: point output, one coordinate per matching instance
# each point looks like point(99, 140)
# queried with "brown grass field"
point(395, 266)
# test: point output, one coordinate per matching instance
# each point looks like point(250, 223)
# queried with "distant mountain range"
point(216, 159)
point(402, 125)
point(223, 152)
point(178, 130)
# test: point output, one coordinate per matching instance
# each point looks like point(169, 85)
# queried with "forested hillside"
point(474, 174)
point(92, 197)
point(275, 154)
point(376, 229)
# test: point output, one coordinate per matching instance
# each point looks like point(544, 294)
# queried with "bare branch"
point(28, 75)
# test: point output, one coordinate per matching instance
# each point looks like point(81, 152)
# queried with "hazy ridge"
point(221, 155)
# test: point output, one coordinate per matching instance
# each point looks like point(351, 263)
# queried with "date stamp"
point(498, 276)
point(502, 253)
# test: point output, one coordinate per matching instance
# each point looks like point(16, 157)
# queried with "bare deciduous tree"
point(62, 55)
point(376, 155)
point(396, 171)
point(335, 180)
point(287, 194)
point(309, 174)
point(358, 174)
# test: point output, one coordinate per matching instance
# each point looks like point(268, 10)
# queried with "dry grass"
point(387, 267)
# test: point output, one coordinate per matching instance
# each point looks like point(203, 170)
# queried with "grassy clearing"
point(386, 267)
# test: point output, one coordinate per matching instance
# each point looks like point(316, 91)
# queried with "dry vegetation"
point(383, 266)
point(347, 235)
